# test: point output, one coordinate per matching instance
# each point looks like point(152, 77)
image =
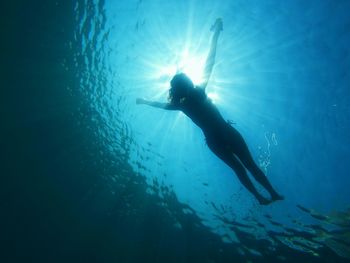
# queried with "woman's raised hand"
point(218, 26)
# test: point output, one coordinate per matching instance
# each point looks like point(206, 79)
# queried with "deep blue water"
point(89, 176)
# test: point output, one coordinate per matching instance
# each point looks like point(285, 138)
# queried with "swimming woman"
point(223, 140)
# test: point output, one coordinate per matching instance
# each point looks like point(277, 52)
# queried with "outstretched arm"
point(209, 64)
point(161, 105)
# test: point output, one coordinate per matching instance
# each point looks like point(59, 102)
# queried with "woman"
point(223, 140)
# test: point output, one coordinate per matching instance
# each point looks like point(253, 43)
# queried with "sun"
point(192, 66)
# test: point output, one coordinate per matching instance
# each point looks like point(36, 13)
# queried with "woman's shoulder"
point(199, 93)
point(199, 90)
point(199, 87)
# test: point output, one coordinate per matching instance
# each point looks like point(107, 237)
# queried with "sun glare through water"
point(187, 62)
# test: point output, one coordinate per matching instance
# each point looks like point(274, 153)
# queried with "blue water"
point(95, 177)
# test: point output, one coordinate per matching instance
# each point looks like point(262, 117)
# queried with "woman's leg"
point(242, 152)
point(228, 157)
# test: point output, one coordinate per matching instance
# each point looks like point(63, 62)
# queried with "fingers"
point(140, 101)
point(219, 24)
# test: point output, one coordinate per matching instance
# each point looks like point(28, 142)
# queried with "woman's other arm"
point(209, 64)
point(155, 104)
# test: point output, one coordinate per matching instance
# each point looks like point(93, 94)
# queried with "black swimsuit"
point(218, 132)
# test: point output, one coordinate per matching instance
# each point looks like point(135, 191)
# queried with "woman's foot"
point(264, 201)
point(277, 197)
point(217, 25)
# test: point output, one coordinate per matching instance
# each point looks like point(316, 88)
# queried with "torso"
point(201, 110)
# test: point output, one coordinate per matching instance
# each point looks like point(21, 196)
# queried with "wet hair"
point(181, 85)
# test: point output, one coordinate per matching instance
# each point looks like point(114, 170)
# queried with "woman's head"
point(180, 84)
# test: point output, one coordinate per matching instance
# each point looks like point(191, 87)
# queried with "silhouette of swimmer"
point(223, 140)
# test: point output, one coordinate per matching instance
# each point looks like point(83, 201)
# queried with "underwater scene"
point(106, 159)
